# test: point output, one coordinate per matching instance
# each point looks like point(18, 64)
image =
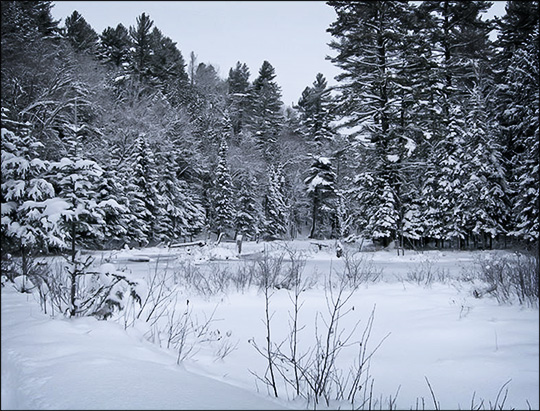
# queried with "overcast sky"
point(291, 35)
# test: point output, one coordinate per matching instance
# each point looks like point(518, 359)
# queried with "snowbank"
point(84, 363)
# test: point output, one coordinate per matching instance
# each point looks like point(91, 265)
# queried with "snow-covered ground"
point(436, 340)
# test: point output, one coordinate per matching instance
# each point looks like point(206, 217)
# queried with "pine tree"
point(315, 112)
point(114, 45)
point(27, 19)
point(29, 57)
point(370, 53)
point(238, 93)
point(141, 55)
point(80, 34)
point(167, 66)
point(266, 120)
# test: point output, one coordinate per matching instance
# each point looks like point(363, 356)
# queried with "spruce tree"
point(77, 180)
point(25, 193)
point(517, 112)
point(248, 214)
point(113, 209)
point(486, 200)
point(321, 189)
point(142, 194)
point(222, 198)
point(276, 209)
point(459, 42)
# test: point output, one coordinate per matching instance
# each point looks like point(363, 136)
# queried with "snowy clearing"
point(473, 352)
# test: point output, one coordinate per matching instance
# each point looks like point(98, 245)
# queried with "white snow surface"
point(84, 363)
point(466, 347)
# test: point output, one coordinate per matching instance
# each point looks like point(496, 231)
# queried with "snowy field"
point(437, 338)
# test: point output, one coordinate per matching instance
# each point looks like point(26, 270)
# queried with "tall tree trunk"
point(314, 214)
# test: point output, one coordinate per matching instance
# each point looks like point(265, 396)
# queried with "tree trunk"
point(73, 274)
point(314, 215)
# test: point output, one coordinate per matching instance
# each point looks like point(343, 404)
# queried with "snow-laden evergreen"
point(276, 209)
point(222, 193)
point(431, 131)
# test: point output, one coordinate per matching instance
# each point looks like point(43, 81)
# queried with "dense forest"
point(430, 137)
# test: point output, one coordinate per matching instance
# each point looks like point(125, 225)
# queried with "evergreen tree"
point(370, 53)
point(459, 42)
point(485, 199)
point(193, 210)
point(276, 210)
point(517, 112)
point(142, 194)
point(167, 65)
point(523, 123)
point(141, 54)
point(238, 93)
point(27, 19)
point(222, 198)
point(446, 176)
point(180, 213)
point(266, 119)
point(248, 214)
point(341, 223)
point(80, 34)
point(315, 112)
point(25, 193)
point(113, 207)
point(114, 45)
point(320, 187)
point(76, 181)
point(29, 58)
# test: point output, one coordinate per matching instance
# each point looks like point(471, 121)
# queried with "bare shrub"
point(510, 278)
point(358, 270)
point(313, 371)
point(426, 273)
point(226, 346)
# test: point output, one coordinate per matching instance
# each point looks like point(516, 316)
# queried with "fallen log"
point(190, 244)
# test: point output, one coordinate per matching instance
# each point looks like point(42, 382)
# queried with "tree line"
point(429, 138)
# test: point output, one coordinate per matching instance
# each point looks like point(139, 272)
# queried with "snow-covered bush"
point(8, 266)
point(78, 288)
